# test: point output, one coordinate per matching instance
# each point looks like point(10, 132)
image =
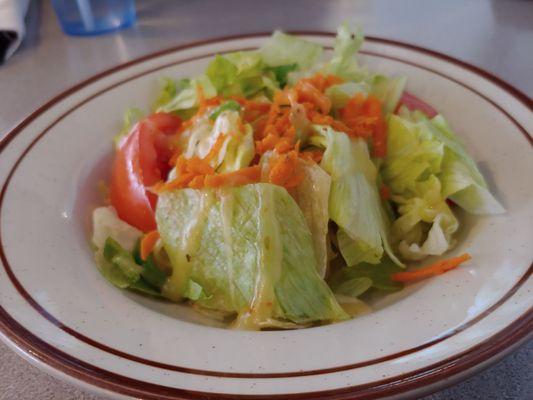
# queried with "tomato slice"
point(141, 161)
point(414, 103)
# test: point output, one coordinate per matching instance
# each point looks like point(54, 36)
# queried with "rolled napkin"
point(12, 28)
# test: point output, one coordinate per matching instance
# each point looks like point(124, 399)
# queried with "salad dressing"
point(269, 264)
point(226, 208)
point(182, 259)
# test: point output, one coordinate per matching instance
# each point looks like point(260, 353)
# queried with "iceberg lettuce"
point(344, 63)
point(237, 150)
point(283, 49)
point(187, 97)
point(312, 196)
point(354, 202)
point(250, 250)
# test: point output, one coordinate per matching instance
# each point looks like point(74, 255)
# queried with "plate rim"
point(517, 331)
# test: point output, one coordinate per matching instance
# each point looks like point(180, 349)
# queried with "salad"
point(284, 189)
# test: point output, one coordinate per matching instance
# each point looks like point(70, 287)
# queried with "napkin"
point(12, 29)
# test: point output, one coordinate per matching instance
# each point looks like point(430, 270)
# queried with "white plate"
point(58, 312)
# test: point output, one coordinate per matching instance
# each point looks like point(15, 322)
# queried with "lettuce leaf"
point(312, 196)
point(250, 250)
point(283, 49)
point(437, 150)
point(354, 202)
point(237, 150)
point(426, 223)
point(187, 97)
point(344, 63)
point(240, 73)
point(353, 281)
point(461, 179)
point(340, 94)
point(388, 91)
point(106, 223)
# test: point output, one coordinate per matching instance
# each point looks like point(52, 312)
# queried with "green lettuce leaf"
point(344, 63)
point(169, 89)
point(312, 196)
point(250, 250)
point(426, 224)
point(437, 150)
point(354, 202)
point(281, 73)
point(238, 148)
point(388, 91)
point(356, 278)
point(238, 74)
point(341, 93)
point(412, 155)
point(187, 97)
point(461, 179)
point(230, 105)
point(283, 49)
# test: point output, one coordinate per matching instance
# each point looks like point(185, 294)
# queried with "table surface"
point(496, 35)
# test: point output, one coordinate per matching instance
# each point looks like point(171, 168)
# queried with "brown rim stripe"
point(182, 369)
point(520, 96)
point(39, 350)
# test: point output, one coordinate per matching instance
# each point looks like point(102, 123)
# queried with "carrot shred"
point(434, 269)
point(148, 243)
point(215, 149)
point(384, 192)
point(240, 177)
point(284, 170)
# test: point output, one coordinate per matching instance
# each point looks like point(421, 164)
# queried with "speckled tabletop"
point(497, 35)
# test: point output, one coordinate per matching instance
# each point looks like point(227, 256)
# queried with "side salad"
point(280, 189)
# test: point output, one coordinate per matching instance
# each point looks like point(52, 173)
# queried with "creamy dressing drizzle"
point(269, 263)
point(188, 244)
point(226, 209)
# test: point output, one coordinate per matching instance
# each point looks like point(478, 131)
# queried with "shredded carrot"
point(308, 92)
point(198, 182)
point(312, 155)
point(199, 166)
point(384, 192)
point(243, 176)
point(284, 170)
point(148, 243)
point(215, 149)
point(434, 269)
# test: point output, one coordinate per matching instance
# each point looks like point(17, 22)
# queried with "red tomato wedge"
point(141, 161)
point(414, 103)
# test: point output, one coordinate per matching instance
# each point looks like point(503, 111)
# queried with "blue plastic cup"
point(94, 17)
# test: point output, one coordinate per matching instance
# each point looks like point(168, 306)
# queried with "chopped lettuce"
point(169, 89)
point(281, 73)
point(419, 146)
point(250, 250)
point(340, 94)
point(230, 105)
point(237, 150)
point(354, 202)
point(461, 179)
point(353, 281)
point(344, 63)
point(241, 73)
point(426, 223)
point(106, 223)
point(187, 97)
point(388, 91)
point(312, 196)
point(283, 49)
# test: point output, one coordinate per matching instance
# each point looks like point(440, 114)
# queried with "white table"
point(497, 35)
